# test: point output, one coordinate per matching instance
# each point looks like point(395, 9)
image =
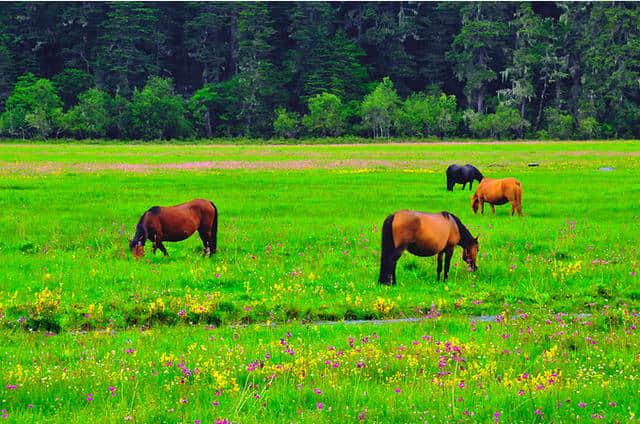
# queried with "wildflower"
point(362, 415)
point(539, 413)
point(30, 406)
point(184, 401)
point(582, 404)
point(317, 391)
point(215, 403)
point(181, 312)
point(196, 421)
point(397, 390)
point(320, 406)
point(112, 390)
point(4, 414)
point(520, 392)
point(11, 386)
point(222, 421)
point(496, 416)
point(613, 404)
point(89, 397)
point(21, 320)
point(461, 384)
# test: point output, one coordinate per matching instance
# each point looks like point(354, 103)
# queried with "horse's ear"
point(477, 237)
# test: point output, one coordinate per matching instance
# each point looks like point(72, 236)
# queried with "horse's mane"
point(466, 239)
point(140, 233)
point(477, 174)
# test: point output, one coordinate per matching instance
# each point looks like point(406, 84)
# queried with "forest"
point(133, 70)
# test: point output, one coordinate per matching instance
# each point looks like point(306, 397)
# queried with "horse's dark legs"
point(439, 264)
point(470, 185)
point(207, 241)
point(447, 262)
point(161, 247)
point(464, 185)
point(394, 261)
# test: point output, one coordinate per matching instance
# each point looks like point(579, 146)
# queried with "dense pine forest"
point(295, 70)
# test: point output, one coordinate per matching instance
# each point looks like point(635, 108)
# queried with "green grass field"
point(299, 241)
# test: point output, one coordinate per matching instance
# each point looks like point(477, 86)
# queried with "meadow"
point(261, 332)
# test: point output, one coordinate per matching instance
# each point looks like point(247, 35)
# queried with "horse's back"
point(426, 233)
point(498, 191)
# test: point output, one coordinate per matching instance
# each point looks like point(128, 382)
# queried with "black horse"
point(457, 174)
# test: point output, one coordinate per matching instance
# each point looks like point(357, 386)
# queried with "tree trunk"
point(480, 100)
point(521, 129)
point(234, 42)
point(207, 124)
point(541, 105)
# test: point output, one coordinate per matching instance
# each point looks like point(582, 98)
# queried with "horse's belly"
point(500, 201)
point(178, 234)
point(419, 250)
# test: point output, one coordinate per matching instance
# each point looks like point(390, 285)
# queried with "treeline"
point(182, 70)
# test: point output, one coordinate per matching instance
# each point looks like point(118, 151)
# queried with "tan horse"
point(424, 234)
point(176, 223)
point(498, 192)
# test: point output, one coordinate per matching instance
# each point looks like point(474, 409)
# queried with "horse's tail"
point(518, 193)
point(386, 251)
point(214, 228)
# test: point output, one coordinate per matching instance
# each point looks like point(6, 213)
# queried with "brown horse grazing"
point(498, 192)
point(176, 223)
point(424, 234)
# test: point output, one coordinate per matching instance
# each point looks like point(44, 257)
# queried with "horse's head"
point(470, 253)
point(475, 203)
point(137, 248)
point(477, 174)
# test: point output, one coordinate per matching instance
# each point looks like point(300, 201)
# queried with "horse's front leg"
point(447, 262)
point(464, 185)
point(439, 265)
point(482, 206)
point(470, 185)
point(162, 248)
point(493, 208)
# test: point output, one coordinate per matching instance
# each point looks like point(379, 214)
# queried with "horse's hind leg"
point(394, 260)
point(439, 265)
point(493, 208)
point(207, 241)
point(464, 185)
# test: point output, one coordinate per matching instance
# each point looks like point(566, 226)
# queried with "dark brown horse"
point(424, 234)
point(176, 223)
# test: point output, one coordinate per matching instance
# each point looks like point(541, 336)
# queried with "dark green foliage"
point(559, 124)
point(380, 108)
point(70, 83)
point(240, 62)
point(157, 112)
point(33, 109)
point(504, 123)
point(428, 115)
point(286, 124)
point(92, 116)
point(326, 115)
